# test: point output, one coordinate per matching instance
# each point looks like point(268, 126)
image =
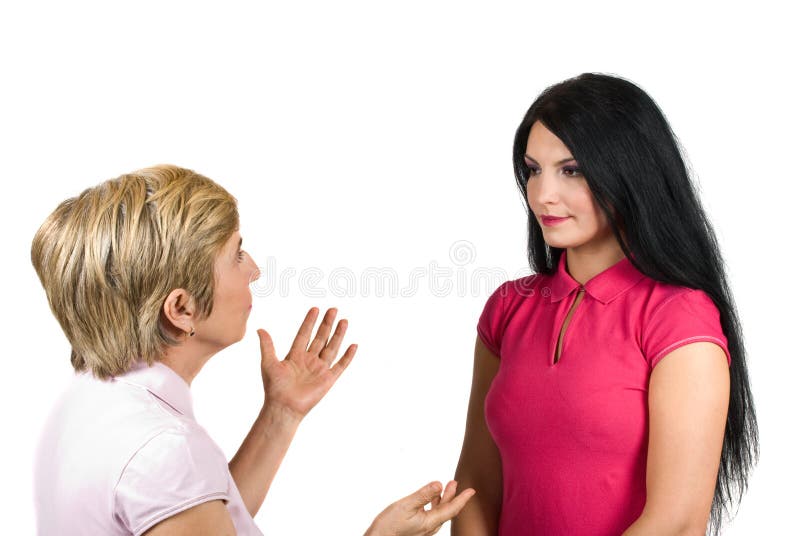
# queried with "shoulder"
point(182, 448)
point(511, 294)
point(114, 420)
point(502, 305)
point(520, 288)
point(676, 299)
point(172, 471)
point(674, 316)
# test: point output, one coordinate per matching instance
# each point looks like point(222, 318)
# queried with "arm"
point(479, 466)
point(688, 407)
point(291, 388)
point(256, 462)
point(206, 519)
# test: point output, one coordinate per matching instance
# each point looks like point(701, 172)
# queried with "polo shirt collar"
point(162, 382)
point(603, 287)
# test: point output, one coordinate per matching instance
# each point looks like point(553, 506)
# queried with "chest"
point(571, 373)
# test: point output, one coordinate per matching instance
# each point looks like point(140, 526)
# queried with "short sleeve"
point(172, 472)
point(685, 318)
point(491, 322)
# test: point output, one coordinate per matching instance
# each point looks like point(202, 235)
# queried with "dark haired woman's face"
point(556, 187)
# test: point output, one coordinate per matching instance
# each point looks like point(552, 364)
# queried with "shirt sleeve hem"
point(490, 346)
point(699, 338)
point(171, 511)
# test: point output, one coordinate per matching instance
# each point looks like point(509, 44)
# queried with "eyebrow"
point(565, 160)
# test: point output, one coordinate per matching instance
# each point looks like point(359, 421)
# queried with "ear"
point(179, 310)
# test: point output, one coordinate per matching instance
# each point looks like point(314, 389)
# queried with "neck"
point(583, 264)
point(186, 360)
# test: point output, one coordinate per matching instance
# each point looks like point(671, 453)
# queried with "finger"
point(300, 342)
point(323, 332)
point(342, 364)
point(422, 496)
point(449, 491)
point(447, 511)
point(329, 352)
point(268, 355)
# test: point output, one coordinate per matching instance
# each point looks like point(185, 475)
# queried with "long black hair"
point(634, 168)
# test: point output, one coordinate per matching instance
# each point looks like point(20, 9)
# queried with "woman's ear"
point(179, 310)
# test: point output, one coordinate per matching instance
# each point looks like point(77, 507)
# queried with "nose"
point(542, 190)
point(255, 274)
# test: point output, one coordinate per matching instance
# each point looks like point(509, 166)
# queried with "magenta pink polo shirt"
point(572, 435)
point(117, 457)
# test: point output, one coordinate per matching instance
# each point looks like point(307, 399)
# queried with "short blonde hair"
point(108, 258)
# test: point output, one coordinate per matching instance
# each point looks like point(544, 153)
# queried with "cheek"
point(530, 191)
point(583, 201)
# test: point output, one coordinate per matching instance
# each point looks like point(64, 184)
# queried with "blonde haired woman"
point(146, 276)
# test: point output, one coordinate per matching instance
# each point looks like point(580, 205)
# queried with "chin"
point(239, 336)
point(563, 244)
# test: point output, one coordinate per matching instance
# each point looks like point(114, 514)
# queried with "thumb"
point(268, 355)
point(422, 496)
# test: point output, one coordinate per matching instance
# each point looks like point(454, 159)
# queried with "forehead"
point(542, 141)
point(234, 240)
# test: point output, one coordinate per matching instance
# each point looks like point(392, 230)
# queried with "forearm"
point(476, 519)
point(254, 466)
point(648, 525)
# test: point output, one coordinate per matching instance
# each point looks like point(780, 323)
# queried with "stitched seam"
point(658, 309)
point(127, 463)
point(503, 317)
point(696, 337)
point(646, 328)
point(175, 509)
point(152, 394)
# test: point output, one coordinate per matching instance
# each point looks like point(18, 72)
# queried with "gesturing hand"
point(298, 382)
point(408, 517)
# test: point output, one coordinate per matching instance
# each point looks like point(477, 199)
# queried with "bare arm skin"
point(479, 466)
point(688, 407)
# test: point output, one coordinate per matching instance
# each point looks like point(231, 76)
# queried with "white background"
point(362, 135)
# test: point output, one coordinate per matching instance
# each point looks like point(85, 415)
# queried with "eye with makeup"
point(569, 171)
point(241, 255)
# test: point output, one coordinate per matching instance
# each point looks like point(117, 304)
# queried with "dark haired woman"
point(610, 392)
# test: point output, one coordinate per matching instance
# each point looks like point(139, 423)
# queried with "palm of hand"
point(300, 381)
point(409, 516)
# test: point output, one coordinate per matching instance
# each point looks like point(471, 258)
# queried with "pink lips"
point(550, 220)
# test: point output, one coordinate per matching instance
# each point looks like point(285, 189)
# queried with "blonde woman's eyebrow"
point(563, 161)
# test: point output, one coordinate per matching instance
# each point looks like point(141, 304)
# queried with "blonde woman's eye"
point(241, 254)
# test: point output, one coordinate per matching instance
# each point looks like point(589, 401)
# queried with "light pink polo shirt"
point(572, 434)
point(117, 457)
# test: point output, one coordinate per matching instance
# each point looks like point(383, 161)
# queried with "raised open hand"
point(300, 380)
